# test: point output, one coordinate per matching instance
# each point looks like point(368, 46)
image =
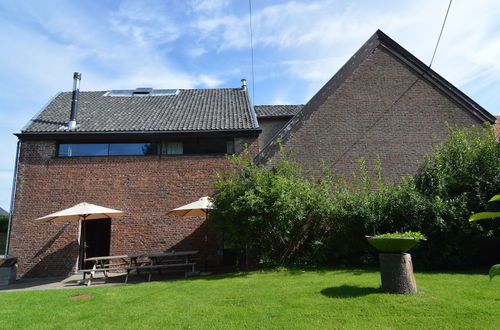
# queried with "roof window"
point(143, 91)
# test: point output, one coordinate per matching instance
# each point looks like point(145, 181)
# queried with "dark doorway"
point(97, 237)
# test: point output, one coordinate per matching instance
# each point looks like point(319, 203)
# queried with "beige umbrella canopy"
point(82, 211)
point(200, 208)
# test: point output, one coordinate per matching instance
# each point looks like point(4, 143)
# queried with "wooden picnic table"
point(105, 261)
point(104, 264)
point(164, 260)
point(138, 262)
point(165, 257)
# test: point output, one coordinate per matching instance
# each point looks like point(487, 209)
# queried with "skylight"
point(141, 92)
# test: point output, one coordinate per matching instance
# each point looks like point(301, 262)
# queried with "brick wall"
point(382, 108)
point(145, 187)
point(270, 126)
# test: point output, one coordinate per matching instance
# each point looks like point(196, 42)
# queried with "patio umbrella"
point(200, 208)
point(81, 212)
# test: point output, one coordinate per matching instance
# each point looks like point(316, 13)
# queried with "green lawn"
point(267, 300)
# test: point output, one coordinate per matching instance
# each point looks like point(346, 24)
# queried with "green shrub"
point(4, 223)
point(462, 173)
point(278, 214)
point(287, 217)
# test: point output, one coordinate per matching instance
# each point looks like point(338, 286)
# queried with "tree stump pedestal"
point(396, 272)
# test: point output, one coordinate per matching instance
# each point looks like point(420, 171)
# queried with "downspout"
point(12, 198)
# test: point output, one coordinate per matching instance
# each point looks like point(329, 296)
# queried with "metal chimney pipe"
point(77, 76)
point(243, 84)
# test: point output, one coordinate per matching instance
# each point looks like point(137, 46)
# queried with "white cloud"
point(196, 52)
point(144, 23)
point(208, 81)
point(209, 6)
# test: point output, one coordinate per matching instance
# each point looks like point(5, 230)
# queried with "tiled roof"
point(189, 110)
point(277, 110)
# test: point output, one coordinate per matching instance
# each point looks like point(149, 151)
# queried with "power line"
point(374, 123)
point(440, 33)
point(251, 47)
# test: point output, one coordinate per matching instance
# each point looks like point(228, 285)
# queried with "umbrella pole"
point(84, 232)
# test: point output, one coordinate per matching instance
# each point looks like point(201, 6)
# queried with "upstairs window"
point(173, 148)
point(106, 149)
point(198, 147)
point(194, 146)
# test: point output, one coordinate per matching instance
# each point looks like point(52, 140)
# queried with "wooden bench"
point(159, 268)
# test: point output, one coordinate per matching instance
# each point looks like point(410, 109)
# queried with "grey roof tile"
point(277, 110)
point(189, 110)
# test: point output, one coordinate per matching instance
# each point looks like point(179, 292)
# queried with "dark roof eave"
point(125, 135)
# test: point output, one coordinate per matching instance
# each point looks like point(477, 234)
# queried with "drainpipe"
point(12, 198)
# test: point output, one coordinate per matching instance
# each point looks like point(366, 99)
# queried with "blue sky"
point(298, 46)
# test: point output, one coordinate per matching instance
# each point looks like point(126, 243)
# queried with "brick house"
point(148, 151)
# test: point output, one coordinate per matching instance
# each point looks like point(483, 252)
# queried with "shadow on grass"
point(455, 272)
point(348, 291)
point(221, 276)
point(326, 269)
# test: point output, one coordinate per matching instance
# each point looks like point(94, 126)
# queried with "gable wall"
point(381, 108)
point(270, 126)
point(145, 187)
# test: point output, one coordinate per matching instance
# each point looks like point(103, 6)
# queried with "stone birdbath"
point(396, 268)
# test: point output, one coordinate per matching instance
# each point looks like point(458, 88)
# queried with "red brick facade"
point(145, 187)
point(382, 108)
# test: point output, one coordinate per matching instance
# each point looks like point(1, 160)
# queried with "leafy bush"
point(285, 216)
point(4, 223)
point(435, 202)
point(278, 214)
point(462, 173)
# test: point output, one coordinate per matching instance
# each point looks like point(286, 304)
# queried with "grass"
point(297, 299)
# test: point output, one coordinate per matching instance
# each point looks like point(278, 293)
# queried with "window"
point(83, 149)
point(230, 147)
point(173, 148)
point(195, 146)
point(132, 149)
point(198, 146)
point(142, 92)
point(106, 149)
